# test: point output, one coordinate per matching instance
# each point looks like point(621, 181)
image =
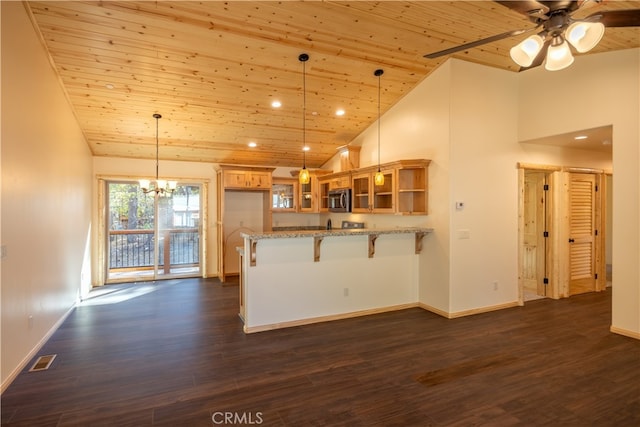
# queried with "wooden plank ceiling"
point(213, 68)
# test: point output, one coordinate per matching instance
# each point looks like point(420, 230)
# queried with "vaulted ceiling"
point(213, 68)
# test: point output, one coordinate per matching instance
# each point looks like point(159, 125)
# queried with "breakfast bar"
point(295, 277)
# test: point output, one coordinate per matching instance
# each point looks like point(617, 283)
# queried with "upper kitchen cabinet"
point(412, 187)
point(331, 182)
point(246, 178)
point(284, 195)
point(309, 194)
point(404, 192)
point(370, 198)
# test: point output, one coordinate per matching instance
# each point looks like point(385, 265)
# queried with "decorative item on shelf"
point(379, 177)
point(161, 187)
point(304, 176)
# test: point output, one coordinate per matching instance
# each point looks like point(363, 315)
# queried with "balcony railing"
point(133, 249)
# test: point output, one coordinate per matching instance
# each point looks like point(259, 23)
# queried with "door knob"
point(571, 240)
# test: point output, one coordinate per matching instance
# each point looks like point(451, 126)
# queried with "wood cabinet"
point(247, 179)
point(370, 198)
point(331, 182)
point(412, 188)
point(242, 192)
point(284, 195)
point(405, 189)
point(309, 194)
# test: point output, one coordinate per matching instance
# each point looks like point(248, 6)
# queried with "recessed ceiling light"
point(109, 86)
point(305, 148)
point(579, 137)
point(276, 104)
point(252, 144)
point(340, 112)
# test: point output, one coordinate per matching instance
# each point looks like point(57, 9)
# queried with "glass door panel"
point(179, 232)
point(130, 233)
point(141, 248)
point(383, 194)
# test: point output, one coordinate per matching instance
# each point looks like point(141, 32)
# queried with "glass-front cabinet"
point(284, 195)
point(368, 197)
point(308, 194)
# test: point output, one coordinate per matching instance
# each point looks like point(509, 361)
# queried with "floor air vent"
point(43, 363)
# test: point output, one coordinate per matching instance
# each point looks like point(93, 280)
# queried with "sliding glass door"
point(150, 236)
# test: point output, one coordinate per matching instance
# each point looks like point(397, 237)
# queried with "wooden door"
point(534, 248)
point(582, 233)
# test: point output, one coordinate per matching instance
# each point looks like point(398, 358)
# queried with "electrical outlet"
point(495, 285)
point(346, 292)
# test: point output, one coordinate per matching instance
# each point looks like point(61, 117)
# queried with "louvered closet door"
point(582, 199)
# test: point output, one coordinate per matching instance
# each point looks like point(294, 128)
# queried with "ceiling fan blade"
point(475, 43)
point(617, 18)
point(527, 7)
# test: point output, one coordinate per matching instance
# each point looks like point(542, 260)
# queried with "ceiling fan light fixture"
point(584, 36)
point(559, 55)
point(526, 51)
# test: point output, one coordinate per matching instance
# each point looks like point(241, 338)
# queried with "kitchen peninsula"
point(290, 278)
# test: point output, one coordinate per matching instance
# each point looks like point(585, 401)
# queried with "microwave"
point(339, 200)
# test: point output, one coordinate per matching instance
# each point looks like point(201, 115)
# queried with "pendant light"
point(162, 187)
point(379, 177)
point(304, 176)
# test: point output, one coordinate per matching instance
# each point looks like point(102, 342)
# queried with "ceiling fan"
point(557, 26)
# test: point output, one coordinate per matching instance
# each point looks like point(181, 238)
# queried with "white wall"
point(483, 177)
point(46, 196)
point(109, 167)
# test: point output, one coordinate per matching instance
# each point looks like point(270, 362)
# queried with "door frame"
point(101, 263)
point(550, 247)
point(557, 247)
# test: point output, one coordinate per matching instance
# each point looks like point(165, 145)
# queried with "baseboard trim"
point(310, 320)
point(625, 332)
point(12, 376)
point(464, 313)
point(434, 310)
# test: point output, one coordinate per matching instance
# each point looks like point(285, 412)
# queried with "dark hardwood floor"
point(173, 353)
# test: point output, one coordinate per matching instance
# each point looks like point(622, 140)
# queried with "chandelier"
point(161, 187)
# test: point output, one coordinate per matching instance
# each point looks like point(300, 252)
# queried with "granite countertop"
point(286, 234)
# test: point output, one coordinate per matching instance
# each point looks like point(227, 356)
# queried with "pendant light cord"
point(378, 73)
point(157, 117)
point(379, 121)
point(304, 114)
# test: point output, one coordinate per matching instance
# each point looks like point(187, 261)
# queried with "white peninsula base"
point(294, 278)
